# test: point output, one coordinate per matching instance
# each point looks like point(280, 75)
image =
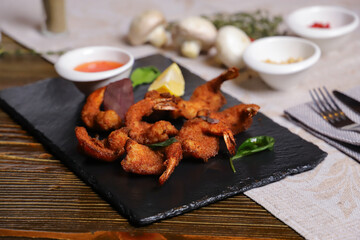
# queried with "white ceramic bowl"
point(278, 49)
point(342, 23)
point(88, 82)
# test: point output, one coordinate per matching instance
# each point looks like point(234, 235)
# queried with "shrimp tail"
point(229, 141)
point(230, 73)
point(174, 155)
point(93, 147)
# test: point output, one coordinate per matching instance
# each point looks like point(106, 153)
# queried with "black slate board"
point(50, 110)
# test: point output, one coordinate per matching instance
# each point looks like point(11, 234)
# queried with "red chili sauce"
point(320, 25)
point(97, 66)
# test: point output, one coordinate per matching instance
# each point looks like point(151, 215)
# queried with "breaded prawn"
point(108, 149)
point(207, 96)
point(144, 132)
point(94, 118)
point(199, 138)
point(238, 118)
point(143, 160)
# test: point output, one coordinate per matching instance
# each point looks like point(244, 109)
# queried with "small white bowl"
point(88, 82)
point(342, 23)
point(278, 49)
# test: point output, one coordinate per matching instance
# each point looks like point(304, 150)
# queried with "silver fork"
point(331, 112)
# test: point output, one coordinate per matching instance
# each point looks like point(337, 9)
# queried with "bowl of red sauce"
point(93, 67)
point(330, 27)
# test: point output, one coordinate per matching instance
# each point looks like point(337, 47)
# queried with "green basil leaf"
point(144, 75)
point(164, 143)
point(251, 146)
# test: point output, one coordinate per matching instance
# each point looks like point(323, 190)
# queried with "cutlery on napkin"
point(352, 103)
point(306, 117)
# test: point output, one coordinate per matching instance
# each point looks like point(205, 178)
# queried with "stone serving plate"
point(50, 110)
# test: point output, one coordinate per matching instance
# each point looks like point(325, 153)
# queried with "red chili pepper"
point(320, 25)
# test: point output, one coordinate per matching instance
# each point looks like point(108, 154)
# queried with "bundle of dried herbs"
point(26, 52)
point(256, 25)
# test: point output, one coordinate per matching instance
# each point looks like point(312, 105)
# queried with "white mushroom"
point(148, 27)
point(194, 34)
point(230, 45)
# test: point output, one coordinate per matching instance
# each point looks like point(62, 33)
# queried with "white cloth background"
point(320, 204)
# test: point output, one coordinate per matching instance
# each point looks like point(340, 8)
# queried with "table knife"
point(348, 101)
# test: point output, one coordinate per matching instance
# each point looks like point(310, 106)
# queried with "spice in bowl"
point(288, 61)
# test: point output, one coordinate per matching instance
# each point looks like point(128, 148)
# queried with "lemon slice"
point(171, 80)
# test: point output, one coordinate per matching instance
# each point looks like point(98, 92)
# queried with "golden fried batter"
point(141, 159)
point(199, 138)
point(108, 149)
point(144, 132)
point(238, 118)
point(173, 155)
point(96, 119)
point(207, 96)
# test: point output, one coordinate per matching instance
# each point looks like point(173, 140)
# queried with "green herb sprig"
point(144, 75)
point(30, 52)
point(256, 25)
point(164, 143)
point(251, 146)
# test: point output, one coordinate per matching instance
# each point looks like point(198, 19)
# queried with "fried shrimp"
point(94, 118)
point(238, 118)
point(199, 138)
point(173, 155)
point(144, 132)
point(108, 149)
point(153, 94)
point(207, 96)
point(143, 160)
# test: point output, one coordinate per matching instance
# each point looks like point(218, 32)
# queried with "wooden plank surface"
point(41, 198)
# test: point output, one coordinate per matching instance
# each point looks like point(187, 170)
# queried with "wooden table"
point(41, 198)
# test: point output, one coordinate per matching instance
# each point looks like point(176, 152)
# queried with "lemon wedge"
point(170, 80)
